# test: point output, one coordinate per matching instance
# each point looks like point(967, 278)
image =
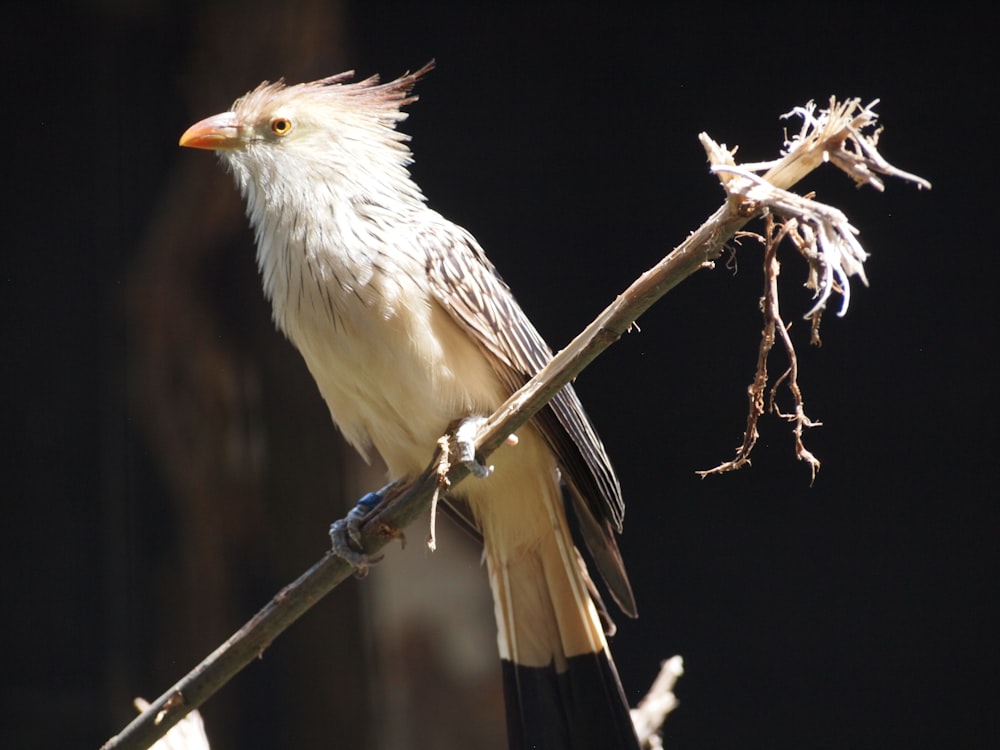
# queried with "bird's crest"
point(388, 97)
point(396, 93)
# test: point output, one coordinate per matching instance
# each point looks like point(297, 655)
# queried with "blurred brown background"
point(169, 464)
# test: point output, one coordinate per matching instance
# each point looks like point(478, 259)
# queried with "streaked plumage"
point(406, 327)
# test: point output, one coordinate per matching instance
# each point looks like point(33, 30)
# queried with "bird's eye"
point(281, 126)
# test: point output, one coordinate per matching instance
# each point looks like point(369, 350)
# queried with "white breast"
point(393, 366)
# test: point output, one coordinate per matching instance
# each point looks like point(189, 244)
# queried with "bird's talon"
point(478, 469)
point(345, 534)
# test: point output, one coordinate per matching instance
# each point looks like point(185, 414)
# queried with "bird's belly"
point(395, 378)
point(395, 382)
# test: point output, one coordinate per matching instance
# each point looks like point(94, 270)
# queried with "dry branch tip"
point(846, 135)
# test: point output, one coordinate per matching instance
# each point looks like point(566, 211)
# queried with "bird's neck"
point(322, 238)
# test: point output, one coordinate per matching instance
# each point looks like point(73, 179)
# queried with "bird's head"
point(327, 134)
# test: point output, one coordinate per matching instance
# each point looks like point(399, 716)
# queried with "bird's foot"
point(465, 446)
point(345, 534)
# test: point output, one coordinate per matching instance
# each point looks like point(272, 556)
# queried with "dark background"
point(853, 613)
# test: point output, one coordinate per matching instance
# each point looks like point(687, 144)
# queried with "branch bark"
point(821, 137)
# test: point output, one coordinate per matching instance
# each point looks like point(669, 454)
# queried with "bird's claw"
point(345, 535)
point(465, 446)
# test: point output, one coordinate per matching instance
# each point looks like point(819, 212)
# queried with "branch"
point(649, 715)
point(405, 503)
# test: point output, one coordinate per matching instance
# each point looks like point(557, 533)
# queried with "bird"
point(407, 328)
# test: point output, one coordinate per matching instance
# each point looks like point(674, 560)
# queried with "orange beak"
point(214, 133)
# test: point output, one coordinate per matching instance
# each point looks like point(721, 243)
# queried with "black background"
point(853, 613)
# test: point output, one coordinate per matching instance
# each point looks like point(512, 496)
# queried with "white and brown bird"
point(407, 327)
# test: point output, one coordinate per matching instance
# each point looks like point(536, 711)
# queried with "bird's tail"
point(561, 688)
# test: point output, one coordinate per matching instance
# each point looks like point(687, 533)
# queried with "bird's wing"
point(467, 285)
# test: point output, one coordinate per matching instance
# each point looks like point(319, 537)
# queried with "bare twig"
point(748, 197)
point(649, 715)
point(774, 326)
point(755, 392)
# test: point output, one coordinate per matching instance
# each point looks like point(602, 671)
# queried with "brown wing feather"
point(467, 285)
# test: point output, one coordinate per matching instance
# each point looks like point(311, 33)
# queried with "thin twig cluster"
point(845, 135)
